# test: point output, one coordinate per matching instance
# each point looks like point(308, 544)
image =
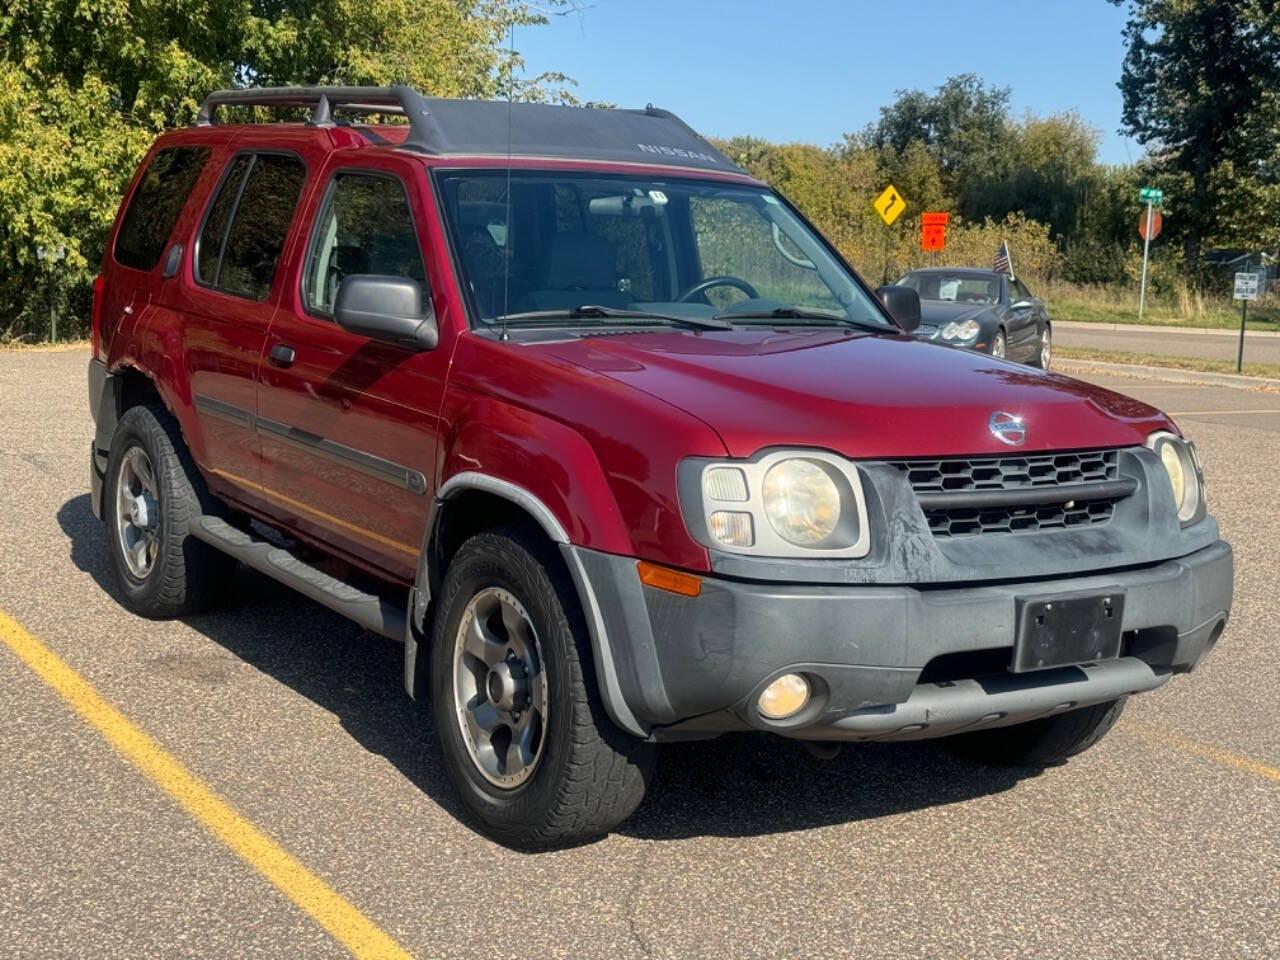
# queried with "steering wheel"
point(698, 289)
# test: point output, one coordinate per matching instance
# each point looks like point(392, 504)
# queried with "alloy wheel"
point(500, 688)
point(137, 512)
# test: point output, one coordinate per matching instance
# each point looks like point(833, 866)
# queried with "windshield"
point(672, 250)
point(954, 287)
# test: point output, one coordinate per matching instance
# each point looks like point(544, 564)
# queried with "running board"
point(367, 609)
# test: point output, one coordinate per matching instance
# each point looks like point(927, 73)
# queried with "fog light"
point(784, 697)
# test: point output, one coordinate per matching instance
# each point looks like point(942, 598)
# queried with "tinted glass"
point(209, 246)
point(1020, 291)
point(157, 204)
point(955, 287)
point(364, 227)
point(260, 224)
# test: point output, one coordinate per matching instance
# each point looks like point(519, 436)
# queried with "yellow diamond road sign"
point(890, 204)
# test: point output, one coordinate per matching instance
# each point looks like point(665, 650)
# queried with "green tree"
point(85, 85)
point(1200, 83)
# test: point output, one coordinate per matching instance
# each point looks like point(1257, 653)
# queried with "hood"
point(861, 395)
point(942, 312)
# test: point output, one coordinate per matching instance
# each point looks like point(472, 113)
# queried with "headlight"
point(965, 330)
point(1178, 457)
point(798, 503)
point(801, 501)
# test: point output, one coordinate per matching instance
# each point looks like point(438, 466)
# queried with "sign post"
point(1246, 290)
point(52, 255)
point(1151, 197)
point(890, 206)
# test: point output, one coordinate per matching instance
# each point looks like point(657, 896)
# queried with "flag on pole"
point(1003, 262)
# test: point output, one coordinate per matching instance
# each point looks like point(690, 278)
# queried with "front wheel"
point(1000, 345)
point(524, 734)
point(1040, 743)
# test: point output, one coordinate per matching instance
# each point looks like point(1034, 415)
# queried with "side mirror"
point(386, 308)
point(903, 303)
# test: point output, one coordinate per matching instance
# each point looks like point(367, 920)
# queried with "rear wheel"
point(151, 496)
point(524, 734)
point(1045, 353)
point(1041, 743)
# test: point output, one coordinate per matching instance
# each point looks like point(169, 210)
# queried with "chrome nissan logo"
point(1007, 428)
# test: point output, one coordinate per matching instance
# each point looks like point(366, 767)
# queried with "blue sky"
point(813, 70)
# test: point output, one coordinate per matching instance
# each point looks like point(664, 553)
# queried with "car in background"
point(982, 310)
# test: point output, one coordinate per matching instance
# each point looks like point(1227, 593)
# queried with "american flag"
point(1003, 263)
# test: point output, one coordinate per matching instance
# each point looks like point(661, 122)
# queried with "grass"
point(1268, 370)
point(21, 346)
point(1120, 305)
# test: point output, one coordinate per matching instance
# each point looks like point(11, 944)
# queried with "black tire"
point(1040, 743)
point(186, 575)
point(590, 775)
point(1044, 350)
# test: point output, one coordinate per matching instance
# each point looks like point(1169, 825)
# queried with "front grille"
point(965, 497)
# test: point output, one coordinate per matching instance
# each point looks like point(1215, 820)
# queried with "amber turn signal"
point(673, 581)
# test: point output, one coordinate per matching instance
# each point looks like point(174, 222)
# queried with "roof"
point(442, 127)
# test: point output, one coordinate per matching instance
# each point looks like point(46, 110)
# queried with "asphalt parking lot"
point(1162, 841)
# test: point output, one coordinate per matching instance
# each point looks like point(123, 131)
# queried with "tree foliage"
point(85, 85)
point(1201, 86)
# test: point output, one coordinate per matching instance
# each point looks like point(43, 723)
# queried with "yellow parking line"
point(320, 901)
point(1207, 751)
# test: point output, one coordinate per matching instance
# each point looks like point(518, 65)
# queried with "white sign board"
point(1246, 286)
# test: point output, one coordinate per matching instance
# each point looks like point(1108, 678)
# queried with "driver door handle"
point(281, 355)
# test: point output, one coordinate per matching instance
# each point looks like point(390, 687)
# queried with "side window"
point(156, 205)
point(364, 226)
point(246, 226)
point(1021, 291)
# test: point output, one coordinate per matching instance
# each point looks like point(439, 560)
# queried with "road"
point(1217, 345)
point(1162, 841)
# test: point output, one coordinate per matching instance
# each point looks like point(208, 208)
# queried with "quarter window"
point(156, 205)
point(364, 226)
point(246, 226)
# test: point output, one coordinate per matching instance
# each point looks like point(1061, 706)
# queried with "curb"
point(1170, 329)
point(1201, 377)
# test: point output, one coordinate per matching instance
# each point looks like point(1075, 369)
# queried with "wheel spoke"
point(139, 553)
point(145, 476)
point(523, 749)
point(483, 719)
point(480, 641)
point(516, 626)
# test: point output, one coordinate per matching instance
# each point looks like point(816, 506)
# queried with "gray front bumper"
point(692, 666)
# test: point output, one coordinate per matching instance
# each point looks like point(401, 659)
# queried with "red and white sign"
point(933, 230)
point(1157, 222)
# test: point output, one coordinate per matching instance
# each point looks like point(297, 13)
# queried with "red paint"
point(594, 428)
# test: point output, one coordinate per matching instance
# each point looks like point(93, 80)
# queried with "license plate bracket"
point(1067, 629)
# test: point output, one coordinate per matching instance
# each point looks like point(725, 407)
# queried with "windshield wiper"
point(816, 317)
point(595, 311)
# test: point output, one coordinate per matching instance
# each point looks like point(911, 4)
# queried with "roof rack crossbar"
point(323, 101)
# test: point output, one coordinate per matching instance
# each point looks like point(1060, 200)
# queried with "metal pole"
point(53, 314)
point(1244, 313)
point(1146, 249)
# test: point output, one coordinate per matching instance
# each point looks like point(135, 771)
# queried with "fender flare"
point(420, 593)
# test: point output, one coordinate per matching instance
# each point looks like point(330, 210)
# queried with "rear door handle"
point(282, 355)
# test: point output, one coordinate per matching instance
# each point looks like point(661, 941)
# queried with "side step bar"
point(367, 609)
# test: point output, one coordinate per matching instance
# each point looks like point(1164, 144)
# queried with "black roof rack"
point(445, 127)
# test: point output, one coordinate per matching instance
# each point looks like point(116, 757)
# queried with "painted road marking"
point(321, 902)
point(1207, 751)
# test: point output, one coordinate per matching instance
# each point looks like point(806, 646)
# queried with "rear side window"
point(364, 226)
point(156, 205)
point(247, 223)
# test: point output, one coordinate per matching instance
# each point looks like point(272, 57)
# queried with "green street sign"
point(1151, 195)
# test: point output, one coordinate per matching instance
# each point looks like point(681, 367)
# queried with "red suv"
point(605, 427)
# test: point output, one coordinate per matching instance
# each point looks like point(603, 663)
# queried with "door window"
point(1020, 291)
point(247, 224)
point(364, 226)
point(156, 205)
